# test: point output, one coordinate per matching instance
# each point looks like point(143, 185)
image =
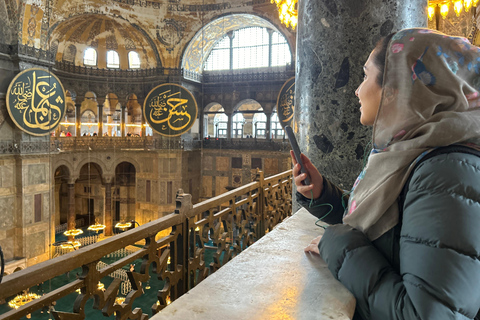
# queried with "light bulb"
point(457, 7)
point(444, 10)
point(431, 12)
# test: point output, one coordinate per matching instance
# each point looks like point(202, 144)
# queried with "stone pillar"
point(334, 39)
point(78, 120)
point(100, 120)
point(108, 208)
point(144, 127)
point(268, 126)
point(122, 124)
point(229, 125)
point(71, 207)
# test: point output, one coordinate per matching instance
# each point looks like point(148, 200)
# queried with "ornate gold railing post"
point(261, 203)
point(183, 207)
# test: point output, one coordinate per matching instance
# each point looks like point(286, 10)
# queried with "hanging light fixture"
point(458, 6)
point(123, 226)
point(22, 299)
point(287, 12)
point(96, 227)
point(73, 232)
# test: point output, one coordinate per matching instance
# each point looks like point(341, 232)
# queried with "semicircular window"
point(113, 61)
point(133, 60)
point(90, 57)
point(252, 47)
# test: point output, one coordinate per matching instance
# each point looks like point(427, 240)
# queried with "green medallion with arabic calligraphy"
point(170, 109)
point(36, 101)
point(285, 103)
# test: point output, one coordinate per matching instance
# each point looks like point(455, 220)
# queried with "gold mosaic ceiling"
point(102, 33)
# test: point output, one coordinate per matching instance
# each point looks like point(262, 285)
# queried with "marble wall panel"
point(163, 193)
point(207, 187)
point(141, 189)
point(7, 212)
point(147, 165)
point(208, 162)
point(36, 174)
point(7, 245)
point(28, 209)
point(35, 244)
point(271, 166)
point(222, 163)
point(155, 192)
point(220, 184)
point(45, 207)
point(6, 176)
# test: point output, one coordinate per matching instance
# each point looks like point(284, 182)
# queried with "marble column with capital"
point(78, 120)
point(334, 39)
point(229, 125)
point(108, 209)
point(71, 208)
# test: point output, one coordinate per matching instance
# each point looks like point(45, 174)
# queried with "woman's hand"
point(316, 179)
point(313, 246)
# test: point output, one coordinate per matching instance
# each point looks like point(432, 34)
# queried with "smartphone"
point(296, 152)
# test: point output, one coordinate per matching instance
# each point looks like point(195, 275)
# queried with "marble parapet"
point(273, 279)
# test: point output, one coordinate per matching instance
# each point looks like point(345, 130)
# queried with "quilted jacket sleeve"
point(331, 198)
point(439, 249)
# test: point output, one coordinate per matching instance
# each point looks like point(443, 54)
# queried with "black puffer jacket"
point(427, 267)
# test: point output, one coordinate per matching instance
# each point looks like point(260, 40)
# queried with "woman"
point(409, 244)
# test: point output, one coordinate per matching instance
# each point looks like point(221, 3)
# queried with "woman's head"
point(369, 92)
point(427, 76)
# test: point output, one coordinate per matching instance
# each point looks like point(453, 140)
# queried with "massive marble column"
point(334, 39)
point(108, 208)
point(71, 207)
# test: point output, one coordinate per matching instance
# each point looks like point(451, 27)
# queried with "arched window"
point(277, 129)
point(90, 57)
point(113, 61)
point(70, 53)
point(253, 47)
point(133, 60)
point(238, 122)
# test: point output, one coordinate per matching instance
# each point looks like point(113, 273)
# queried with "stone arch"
point(134, 109)
point(95, 160)
point(247, 105)
point(131, 160)
point(62, 179)
point(199, 47)
point(64, 163)
point(125, 193)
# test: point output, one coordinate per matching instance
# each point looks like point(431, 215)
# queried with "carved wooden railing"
point(229, 222)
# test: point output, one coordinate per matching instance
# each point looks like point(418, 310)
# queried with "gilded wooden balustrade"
point(228, 224)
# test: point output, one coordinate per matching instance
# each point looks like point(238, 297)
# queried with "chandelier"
point(444, 6)
point(22, 299)
point(287, 12)
point(123, 226)
point(73, 232)
point(96, 227)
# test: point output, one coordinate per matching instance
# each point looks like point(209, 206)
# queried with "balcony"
point(170, 256)
point(272, 279)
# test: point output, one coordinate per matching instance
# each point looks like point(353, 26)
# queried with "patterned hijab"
point(430, 98)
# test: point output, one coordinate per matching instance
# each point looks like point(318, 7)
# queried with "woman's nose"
point(357, 91)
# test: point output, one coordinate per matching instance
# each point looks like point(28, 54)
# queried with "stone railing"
point(174, 244)
point(108, 143)
point(245, 144)
point(118, 73)
point(24, 147)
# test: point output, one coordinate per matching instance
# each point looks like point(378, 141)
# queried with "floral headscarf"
point(430, 98)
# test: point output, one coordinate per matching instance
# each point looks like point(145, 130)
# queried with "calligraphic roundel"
point(285, 103)
point(36, 101)
point(170, 109)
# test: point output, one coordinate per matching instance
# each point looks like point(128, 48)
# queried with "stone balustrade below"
point(272, 279)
